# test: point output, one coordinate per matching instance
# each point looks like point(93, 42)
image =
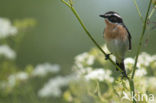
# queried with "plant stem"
point(141, 39)
point(132, 88)
point(136, 5)
point(99, 92)
point(153, 10)
point(131, 82)
point(87, 32)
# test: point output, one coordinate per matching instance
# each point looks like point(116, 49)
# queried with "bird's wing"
point(129, 37)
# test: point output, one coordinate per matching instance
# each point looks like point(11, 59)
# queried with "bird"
point(117, 38)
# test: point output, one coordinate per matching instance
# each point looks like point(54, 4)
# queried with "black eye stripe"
point(115, 19)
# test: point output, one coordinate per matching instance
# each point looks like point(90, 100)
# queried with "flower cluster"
point(54, 85)
point(99, 74)
point(44, 69)
point(84, 66)
point(13, 79)
point(40, 70)
point(6, 28)
point(98, 69)
point(7, 52)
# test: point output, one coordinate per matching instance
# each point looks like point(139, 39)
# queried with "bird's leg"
point(124, 75)
point(107, 56)
point(117, 65)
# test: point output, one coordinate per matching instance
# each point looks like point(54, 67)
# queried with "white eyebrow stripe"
point(117, 15)
point(114, 15)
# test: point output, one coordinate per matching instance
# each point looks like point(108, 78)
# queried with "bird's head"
point(112, 17)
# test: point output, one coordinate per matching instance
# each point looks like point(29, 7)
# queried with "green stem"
point(99, 92)
point(132, 88)
point(131, 83)
point(153, 10)
point(141, 39)
point(87, 32)
point(136, 5)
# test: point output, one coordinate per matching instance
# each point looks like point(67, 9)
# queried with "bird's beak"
point(103, 16)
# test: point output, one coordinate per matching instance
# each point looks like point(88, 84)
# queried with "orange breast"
point(113, 31)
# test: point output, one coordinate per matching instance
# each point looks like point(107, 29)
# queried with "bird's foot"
point(107, 56)
point(124, 75)
point(117, 65)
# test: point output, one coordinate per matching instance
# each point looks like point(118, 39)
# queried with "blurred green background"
point(58, 36)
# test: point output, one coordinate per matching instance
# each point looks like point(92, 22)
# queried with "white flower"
point(6, 29)
point(146, 59)
point(81, 57)
point(129, 61)
point(79, 65)
point(154, 57)
point(96, 74)
point(83, 71)
point(22, 76)
point(140, 72)
point(99, 74)
point(13, 78)
point(11, 81)
point(44, 69)
point(6, 51)
point(90, 60)
point(54, 85)
point(84, 57)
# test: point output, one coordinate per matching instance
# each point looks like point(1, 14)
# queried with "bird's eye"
point(113, 19)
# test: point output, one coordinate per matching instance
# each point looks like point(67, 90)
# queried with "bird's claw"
point(107, 56)
point(124, 75)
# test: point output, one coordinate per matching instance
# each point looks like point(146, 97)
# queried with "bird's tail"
point(122, 66)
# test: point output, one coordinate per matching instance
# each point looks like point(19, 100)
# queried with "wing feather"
point(129, 37)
